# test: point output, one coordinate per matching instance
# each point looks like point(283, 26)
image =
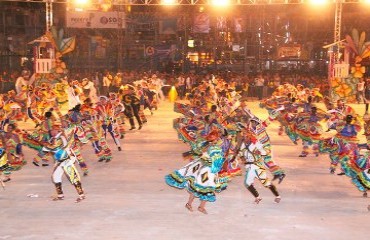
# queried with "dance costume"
point(64, 164)
point(252, 152)
point(199, 177)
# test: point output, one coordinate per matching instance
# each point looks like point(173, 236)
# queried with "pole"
point(334, 52)
point(5, 53)
point(245, 55)
point(120, 40)
point(337, 27)
point(184, 45)
point(49, 14)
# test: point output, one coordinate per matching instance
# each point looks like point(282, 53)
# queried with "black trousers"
point(132, 111)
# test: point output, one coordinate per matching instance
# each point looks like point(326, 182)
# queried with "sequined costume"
point(105, 111)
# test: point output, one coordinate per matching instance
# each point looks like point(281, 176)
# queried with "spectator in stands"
point(360, 91)
point(107, 80)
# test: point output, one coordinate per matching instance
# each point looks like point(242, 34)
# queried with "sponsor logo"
point(79, 20)
point(103, 20)
point(110, 20)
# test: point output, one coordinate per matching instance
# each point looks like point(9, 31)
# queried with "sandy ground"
point(128, 198)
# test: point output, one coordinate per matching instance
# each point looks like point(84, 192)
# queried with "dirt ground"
point(129, 199)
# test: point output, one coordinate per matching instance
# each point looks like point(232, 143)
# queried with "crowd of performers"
point(58, 135)
point(221, 130)
point(301, 119)
point(223, 133)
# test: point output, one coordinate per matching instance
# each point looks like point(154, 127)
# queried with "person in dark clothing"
point(132, 107)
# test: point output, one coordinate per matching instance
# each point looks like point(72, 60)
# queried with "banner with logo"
point(293, 51)
point(91, 19)
point(165, 51)
point(201, 23)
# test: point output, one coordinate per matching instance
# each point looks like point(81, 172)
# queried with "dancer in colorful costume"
point(339, 113)
point(347, 134)
point(65, 158)
point(94, 131)
point(258, 128)
point(118, 117)
point(344, 148)
point(3, 165)
point(366, 119)
point(251, 152)
point(199, 177)
point(284, 110)
point(73, 125)
point(48, 101)
point(307, 126)
point(105, 111)
point(39, 137)
point(12, 147)
point(32, 112)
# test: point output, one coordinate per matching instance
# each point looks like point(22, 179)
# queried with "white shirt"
point(158, 83)
point(19, 83)
point(73, 99)
point(106, 81)
point(93, 93)
point(89, 85)
point(360, 86)
point(259, 82)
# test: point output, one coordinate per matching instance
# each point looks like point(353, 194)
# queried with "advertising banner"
point(201, 23)
point(289, 52)
point(92, 19)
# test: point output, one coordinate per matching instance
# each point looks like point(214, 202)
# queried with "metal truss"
point(49, 15)
point(190, 2)
point(338, 17)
